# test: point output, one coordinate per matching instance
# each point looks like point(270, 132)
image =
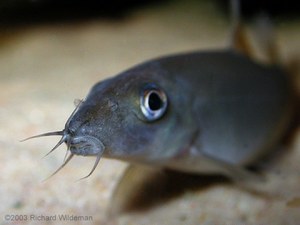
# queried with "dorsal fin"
point(264, 48)
point(239, 40)
point(265, 39)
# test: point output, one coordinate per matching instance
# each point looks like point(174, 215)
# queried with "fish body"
point(199, 112)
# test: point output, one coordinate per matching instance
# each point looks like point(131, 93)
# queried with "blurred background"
point(52, 52)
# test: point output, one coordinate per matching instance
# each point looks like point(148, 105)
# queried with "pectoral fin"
point(141, 188)
point(132, 186)
point(237, 173)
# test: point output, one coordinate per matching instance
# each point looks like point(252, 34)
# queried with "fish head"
point(136, 116)
point(143, 115)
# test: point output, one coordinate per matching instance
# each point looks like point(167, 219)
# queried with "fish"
point(200, 112)
point(211, 111)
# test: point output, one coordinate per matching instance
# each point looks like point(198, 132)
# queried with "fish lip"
point(85, 145)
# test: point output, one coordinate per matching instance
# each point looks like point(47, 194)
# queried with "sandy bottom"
point(44, 68)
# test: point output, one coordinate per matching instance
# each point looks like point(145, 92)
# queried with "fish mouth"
point(85, 145)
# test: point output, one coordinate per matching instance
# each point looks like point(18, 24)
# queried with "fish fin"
point(130, 187)
point(142, 188)
point(262, 46)
point(240, 42)
point(239, 39)
point(238, 174)
point(265, 40)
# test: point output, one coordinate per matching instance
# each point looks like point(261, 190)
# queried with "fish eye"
point(153, 103)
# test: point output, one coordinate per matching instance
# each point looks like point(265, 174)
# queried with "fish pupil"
point(155, 102)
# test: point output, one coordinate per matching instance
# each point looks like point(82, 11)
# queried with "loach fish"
point(198, 112)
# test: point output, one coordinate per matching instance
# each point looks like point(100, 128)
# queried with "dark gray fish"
point(200, 112)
